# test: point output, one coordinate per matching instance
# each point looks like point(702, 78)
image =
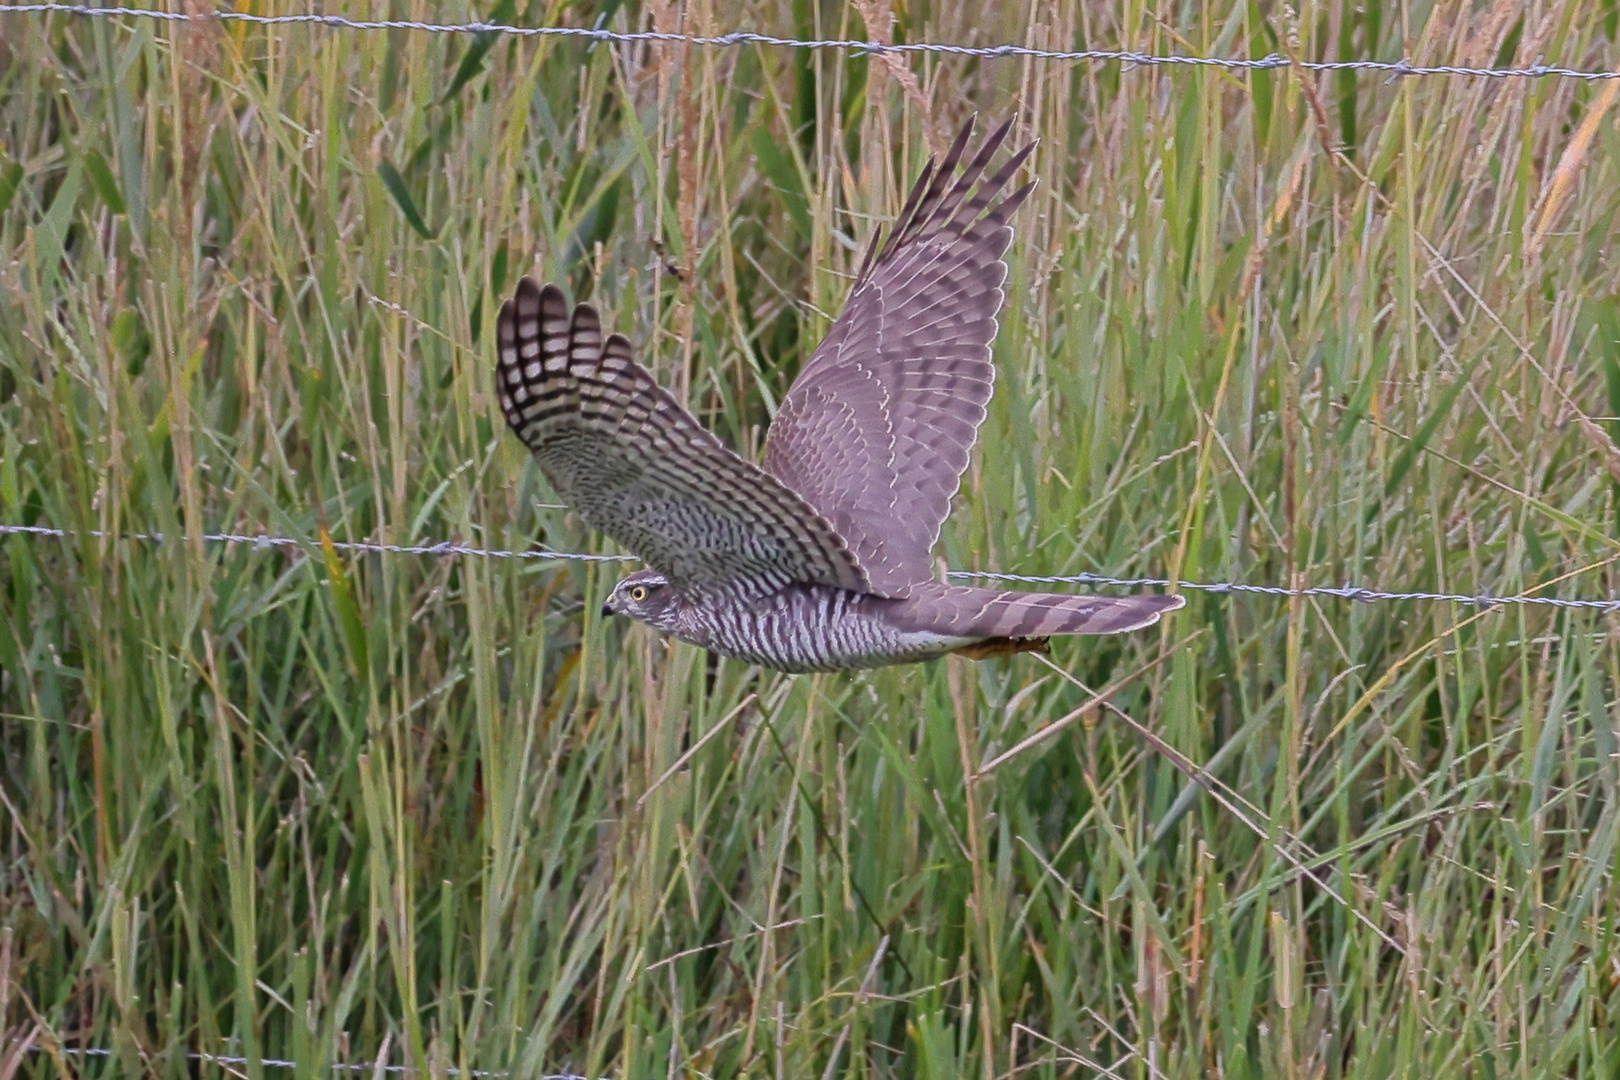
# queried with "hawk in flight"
point(820, 558)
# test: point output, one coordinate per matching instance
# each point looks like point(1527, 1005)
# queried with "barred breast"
point(811, 628)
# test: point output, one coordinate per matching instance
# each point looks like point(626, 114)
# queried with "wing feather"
point(876, 431)
point(632, 462)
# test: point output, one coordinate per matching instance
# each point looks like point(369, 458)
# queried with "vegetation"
point(308, 804)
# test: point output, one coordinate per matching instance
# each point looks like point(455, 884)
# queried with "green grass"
point(1266, 327)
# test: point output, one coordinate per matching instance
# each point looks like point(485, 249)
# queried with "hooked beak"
point(607, 609)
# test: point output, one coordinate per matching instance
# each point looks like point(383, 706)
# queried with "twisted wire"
point(1357, 593)
point(263, 541)
point(1395, 69)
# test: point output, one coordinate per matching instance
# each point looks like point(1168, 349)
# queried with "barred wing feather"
point(624, 454)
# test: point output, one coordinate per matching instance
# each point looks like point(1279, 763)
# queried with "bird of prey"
point(820, 558)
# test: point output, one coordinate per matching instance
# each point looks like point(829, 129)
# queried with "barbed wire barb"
point(1358, 593)
point(1396, 69)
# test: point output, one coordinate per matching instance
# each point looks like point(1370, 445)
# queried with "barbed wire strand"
point(1342, 592)
point(276, 1063)
point(745, 37)
point(262, 541)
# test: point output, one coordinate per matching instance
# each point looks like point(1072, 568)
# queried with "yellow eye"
point(638, 593)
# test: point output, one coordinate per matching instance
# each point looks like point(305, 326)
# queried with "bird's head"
point(645, 596)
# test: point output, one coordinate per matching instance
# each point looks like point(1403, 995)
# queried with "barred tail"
point(959, 611)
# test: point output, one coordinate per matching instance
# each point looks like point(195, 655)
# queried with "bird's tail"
point(1013, 617)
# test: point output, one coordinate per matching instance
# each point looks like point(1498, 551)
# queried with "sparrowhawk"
point(821, 559)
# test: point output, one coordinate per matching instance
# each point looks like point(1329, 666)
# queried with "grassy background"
point(1262, 327)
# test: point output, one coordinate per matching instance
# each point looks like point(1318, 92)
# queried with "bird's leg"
point(1004, 646)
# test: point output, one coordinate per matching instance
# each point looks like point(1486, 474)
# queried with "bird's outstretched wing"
point(875, 432)
point(635, 464)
